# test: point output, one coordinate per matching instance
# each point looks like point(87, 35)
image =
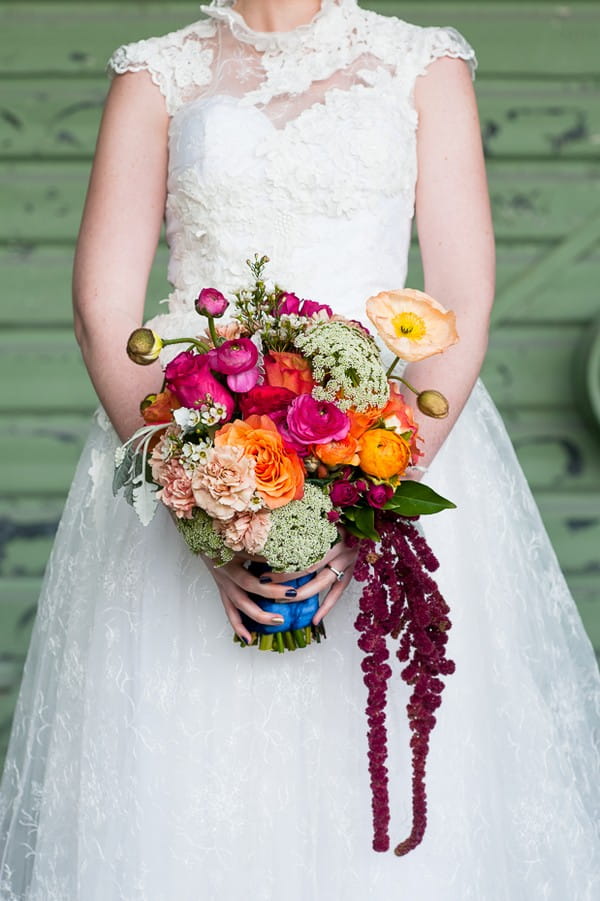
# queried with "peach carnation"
point(176, 491)
point(245, 532)
point(225, 483)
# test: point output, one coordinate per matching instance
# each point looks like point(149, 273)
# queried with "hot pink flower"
point(234, 356)
point(310, 307)
point(379, 495)
point(311, 421)
point(243, 381)
point(211, 302)
point(289, 304)
point(189, 378)
point(343, 494)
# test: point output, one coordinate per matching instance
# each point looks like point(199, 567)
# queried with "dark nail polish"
point(264, 579)
point(291, 593)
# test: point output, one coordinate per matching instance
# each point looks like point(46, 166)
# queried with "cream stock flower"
point(412, 324)
point(225, 484)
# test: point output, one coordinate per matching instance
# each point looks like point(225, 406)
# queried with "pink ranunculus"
point(232, 357)
point(211, 302)
point(241, 382)
point(189, 378)
point(225, 483)
point(310, 307)
point(343, 494)
point(246, 531)
point(176, 492)
point(289, 304)
point(313, 421)
point(379, 495)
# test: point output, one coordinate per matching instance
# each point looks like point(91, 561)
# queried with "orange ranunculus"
point(159, 407)
point(399, 415)
point(287, 370)
point(360, 422)
point(412, 324)
point(338, 453)
point(279, 472)
point(383, 453)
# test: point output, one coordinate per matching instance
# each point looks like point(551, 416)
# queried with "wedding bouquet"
point(278, 432)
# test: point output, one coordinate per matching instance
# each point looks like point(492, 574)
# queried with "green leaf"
point(417, 499)
point(365, 522)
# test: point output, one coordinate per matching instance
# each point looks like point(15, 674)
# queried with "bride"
point(151, 758)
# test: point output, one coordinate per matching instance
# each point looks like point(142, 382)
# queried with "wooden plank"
point(83, 35)
point(27, 528)
point(546, 201)
point(39, 454)
point(526, 366)
point(529, 366)
point(528, 286)
point(541, 117)
point(36, 285)
point(570, 295)
point(59, 117)
point(557, 451)
point(555, 448)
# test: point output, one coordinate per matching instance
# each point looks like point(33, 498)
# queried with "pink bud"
point(211, 302)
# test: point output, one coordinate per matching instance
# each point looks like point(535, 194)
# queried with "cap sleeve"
point(144, 56)
point(437, 42)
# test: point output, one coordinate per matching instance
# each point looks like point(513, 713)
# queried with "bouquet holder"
point(297, 629)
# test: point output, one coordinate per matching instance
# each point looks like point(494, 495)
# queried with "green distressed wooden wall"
point(539, 93)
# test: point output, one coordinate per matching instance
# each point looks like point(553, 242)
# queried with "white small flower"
point(120, 454)
point(255, 503)
point(186, 418)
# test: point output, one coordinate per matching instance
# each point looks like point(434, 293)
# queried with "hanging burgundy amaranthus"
point(402, 601)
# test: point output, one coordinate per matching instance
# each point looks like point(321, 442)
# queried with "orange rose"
point(383, 454)
point(286, 370)
point(157, 408)
point(338, 453)
point(279, 472)
point(360, 422)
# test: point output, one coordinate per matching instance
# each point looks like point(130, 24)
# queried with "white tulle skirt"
point(154, 760)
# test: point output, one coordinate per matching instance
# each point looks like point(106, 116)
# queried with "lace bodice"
point(297, 144)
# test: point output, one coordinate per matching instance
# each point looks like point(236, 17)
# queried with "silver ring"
point(338, 573)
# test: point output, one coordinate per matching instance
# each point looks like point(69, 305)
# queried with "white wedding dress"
point(152, 759)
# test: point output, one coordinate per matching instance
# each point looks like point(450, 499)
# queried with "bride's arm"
point(117, 242)
point(116, 246)
point(455, 235)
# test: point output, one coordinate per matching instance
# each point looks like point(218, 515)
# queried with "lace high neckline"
point(221, 10)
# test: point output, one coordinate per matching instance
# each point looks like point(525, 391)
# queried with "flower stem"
point(398, 378)
point(392, 367)
point(216, 340)
point(201, 345)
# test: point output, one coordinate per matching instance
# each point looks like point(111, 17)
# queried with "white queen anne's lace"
point(154, 760)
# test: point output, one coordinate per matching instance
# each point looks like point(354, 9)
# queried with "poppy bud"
point(433, 403)
point(144, 346)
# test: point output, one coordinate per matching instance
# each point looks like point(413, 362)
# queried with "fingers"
point(235, 599)
point(334, 595)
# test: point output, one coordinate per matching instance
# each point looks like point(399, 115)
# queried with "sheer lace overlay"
point(151, 758)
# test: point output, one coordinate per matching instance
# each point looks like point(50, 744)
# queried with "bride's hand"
point(235, 583)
